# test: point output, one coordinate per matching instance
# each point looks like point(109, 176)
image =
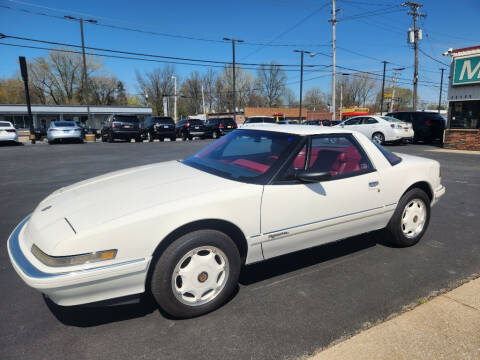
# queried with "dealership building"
point(463, 128)
point(44, 114)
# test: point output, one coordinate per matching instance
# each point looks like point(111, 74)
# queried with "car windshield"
point(390, 119)
point(164, 120)
point(126, 118)
point(244, 155)
point(64, 123)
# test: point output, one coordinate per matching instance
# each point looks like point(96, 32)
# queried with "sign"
point(466, 70)
point(354, 110)
point(387, 96)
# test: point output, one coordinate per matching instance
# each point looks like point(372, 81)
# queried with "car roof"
point(297, 129)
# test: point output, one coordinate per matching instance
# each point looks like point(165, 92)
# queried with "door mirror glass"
point(312, 177)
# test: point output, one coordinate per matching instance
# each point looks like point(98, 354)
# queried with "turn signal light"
point(56, 261)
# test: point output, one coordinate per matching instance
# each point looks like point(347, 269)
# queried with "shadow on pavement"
point(10, 143)
point(98, 314)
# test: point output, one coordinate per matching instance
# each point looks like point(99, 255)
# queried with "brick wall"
point(462, 139)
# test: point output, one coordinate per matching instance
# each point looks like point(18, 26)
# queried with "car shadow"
point(10, 143)
point(99, 314)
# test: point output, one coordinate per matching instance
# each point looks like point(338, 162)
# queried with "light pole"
point(301, 78)
point(441, 86)
point(395, 76)
point(341, 94)
point(383, 86)
point(85, 82)
point(175, 98)
point(233, 69)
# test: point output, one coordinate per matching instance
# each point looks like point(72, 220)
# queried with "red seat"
point(348, 161)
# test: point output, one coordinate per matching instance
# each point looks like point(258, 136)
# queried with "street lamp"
point(302, 52)
point(233, 69)
point(85, 82)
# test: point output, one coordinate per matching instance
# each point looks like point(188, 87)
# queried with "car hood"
point(101, 199)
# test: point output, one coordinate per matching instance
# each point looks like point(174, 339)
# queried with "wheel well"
point(226, 227)
point(423, 185)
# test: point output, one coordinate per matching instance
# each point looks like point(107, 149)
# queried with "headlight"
point(57, 261)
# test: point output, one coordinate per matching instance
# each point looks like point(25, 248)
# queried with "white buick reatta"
point(181, 230)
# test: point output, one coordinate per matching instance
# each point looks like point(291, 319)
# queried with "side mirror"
point(312, 177)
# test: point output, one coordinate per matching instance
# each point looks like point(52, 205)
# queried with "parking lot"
point(284, 308)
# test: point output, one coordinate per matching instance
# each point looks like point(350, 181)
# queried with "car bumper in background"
point(79, 286)
point(9, 137)
point(64, 135)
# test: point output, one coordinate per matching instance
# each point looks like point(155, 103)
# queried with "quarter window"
point(369, 121)
point(354, 121)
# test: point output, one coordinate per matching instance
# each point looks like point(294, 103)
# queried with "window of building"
point(465, 115)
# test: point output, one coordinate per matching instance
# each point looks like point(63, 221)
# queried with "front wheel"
point(410, 219)
point(196, 274)
point(173, 138)
point(378, 137)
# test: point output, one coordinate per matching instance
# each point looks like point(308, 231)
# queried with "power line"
point(155, 33)
point(431, 57)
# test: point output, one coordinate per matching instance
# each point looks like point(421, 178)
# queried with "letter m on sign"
point(466, 71)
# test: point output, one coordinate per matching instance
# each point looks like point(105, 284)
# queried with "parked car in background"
point(64, 131)
point(380, 128)
point(428, 126)
point(216, 127)
point(228, 205)
point(188, 129)
point(258, 119)
point(159, 127)
point(124, 127)
point(8, 133)
point(321, 122)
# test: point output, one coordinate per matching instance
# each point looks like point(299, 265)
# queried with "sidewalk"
point(447, 327)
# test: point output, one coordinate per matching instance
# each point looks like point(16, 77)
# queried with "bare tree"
point(271, 80)
point(224, 88)
point(289, 97)
point(102, 89)
point(357, 89)
point(208, 82)
point(191, 92)
point(156, 84)
point(315, 99)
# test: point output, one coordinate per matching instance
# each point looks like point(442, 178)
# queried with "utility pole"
point(383, 86)
point(440, 95)
point(333, 20)
point(233, 82)
point(85, 81)
point(302, 52)
point(414, 6)
point(395, 77)
point(24, 72)
point(175, 98)
point(341, 94)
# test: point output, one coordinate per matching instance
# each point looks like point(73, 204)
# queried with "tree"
point(271, 80)
point(289, 98)
point(155, 85)
point(315, 99)
point(12, 91)
point(121, 94)
point(224, 89)
point(102, 90)
point(191, 92)
point(403, 98)
point(208, 82)
point(357, 89)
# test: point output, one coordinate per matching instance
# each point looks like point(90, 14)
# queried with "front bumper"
point(80, 286)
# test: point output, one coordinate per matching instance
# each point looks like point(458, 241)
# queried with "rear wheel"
point(138, 139)
point(161, 139)
point(410, 219)
point(196, 274)
point(184, 136)
point(110, 138)
point(173, 138)
point(214, 135)
point(378, 137)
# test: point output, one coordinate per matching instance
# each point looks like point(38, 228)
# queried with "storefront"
point(463, 128)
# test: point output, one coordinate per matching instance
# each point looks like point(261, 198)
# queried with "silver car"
point(64, 130)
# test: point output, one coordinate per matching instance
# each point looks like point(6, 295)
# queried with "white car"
point(8, 132)
point(264, 191)
point(380, 128)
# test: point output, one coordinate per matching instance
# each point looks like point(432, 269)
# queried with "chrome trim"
point(31, 271)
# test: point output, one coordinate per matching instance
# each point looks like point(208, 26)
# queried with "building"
point(463, 125)
point(44, 114)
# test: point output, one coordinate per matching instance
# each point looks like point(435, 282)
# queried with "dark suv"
point(217, 127)
point(159, 127)
point(125, 127)
point(188, 129)
point(428, 126)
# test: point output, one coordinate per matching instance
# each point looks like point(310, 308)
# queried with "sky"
point(368, 32)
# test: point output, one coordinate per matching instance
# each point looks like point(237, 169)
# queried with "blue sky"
point(363, 41)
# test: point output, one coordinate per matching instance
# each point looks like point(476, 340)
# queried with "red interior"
point(251, 165)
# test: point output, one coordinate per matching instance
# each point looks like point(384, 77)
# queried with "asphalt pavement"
point(284, 308)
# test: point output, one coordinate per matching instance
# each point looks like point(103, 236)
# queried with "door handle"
point(373, 184)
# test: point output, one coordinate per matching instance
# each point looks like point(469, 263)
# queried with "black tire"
point(190, 137)
point(162, 280)
point(110, 138)
point(184, 136)
point(394, 229)
point(173, 138)
point(161, 139)
point(215, 135)
point(138, 139)
point(51, 142)
point(378, 137)
point(103, 138)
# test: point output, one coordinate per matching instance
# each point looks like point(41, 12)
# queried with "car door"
point(370, 126)
point(297, 215)
point(353, 124)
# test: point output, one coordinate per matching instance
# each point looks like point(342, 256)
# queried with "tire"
point(51, 142)
point(103, 138)
point(200, 294)
point(138, 139)
point(110, 138)
point(190, 137)
point(400, 229)
point(378, 137)
point(149, 136)
point(161, 139)
point(214, 135)
point(184, 136)
point(173, 138)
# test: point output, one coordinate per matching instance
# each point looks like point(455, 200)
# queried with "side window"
point(338, 154)
point(298, 163)
point(369, 121)
point(354, 121)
